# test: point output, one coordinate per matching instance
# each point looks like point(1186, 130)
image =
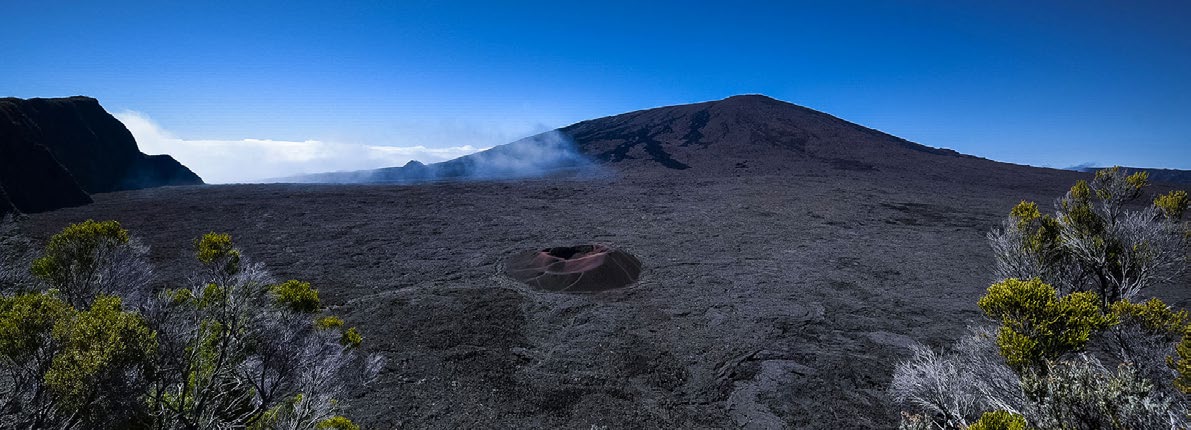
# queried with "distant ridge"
point(1171, 176)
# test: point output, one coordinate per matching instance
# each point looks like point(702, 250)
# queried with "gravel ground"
point(767, 299)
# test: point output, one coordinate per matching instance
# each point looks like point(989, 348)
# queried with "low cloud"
point(1083, 167)
point(259, 160)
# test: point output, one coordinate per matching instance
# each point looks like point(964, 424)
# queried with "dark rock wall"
point(53, 152)
point(5, 204)
point(31, 178)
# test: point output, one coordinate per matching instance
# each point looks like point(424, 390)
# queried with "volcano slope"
point(788, 258)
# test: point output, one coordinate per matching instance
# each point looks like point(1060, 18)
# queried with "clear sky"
point(246, 90)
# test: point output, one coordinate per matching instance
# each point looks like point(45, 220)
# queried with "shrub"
point(328, 322)
point(296, 295)
point(91, 258)
point(1082, 393)
point(1173, 204)
point(235, 350)
point(1062, 305)
point(245, 351)
point(1036, 324)
point(1093, 243)
point(70, 367)
point(999, 420)
point(337, 423)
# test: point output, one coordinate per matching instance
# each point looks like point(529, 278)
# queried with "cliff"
point(55, 152)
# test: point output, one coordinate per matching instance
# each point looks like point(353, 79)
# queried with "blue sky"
point(341, 85)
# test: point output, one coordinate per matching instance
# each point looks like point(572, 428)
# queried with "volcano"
point(742, 132)
point(787, 260)
point(739, 135)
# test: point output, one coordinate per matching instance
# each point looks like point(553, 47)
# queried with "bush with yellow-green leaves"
point(1069, 345)
point(85, 343)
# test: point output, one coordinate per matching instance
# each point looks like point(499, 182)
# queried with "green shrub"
point(328, 322)
point(1173, 204)
point(296, 295)
point(999, 420)
point(1036, 324)
point(233, 350)
point(1153, 316)
point(351, 338)
point(1063, 307)
point(89, 363)
point(337, 422)
point(76, 262)
point(98, 346)
point(215, 250)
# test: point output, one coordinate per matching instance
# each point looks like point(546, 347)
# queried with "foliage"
point(328, 322)
point(1082, 394)
point(235, 350)
point(244, 351)
point(1183, 364)
point(296, 295)
point(351, 338)
point(951, 388)
point(99, 345)
point(1173, 204)
point(337, 423)
point(999, 420)
point(1036, 324)
point(1093, 242)
point(91, 258)
point(1152, 315)
point(215, 250)
point(1063, 305)
point(70, 367)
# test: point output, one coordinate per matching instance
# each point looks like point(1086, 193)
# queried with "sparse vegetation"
point(86, 343)
point(1064, 307)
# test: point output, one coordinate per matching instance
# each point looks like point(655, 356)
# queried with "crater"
point(574, 269)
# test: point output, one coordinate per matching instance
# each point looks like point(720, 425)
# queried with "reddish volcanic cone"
point(582, 268)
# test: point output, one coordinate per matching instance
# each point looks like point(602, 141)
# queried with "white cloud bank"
point(259, 160)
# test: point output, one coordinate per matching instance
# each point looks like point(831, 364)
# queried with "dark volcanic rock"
point(31, 178)
point(5, 205)
point(96, 147)
point(55, 151)
point(751, 130)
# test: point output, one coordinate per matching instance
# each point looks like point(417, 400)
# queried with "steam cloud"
point(258, 160)
point(533, 156)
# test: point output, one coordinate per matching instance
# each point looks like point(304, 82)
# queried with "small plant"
point(296, 295)
point(999, 420)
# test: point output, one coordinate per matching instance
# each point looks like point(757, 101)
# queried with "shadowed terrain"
point(788, 258)
point(53, 152)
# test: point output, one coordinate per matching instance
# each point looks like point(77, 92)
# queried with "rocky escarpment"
point(55, 152)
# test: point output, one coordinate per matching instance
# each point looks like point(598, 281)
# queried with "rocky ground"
point(766, 300)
